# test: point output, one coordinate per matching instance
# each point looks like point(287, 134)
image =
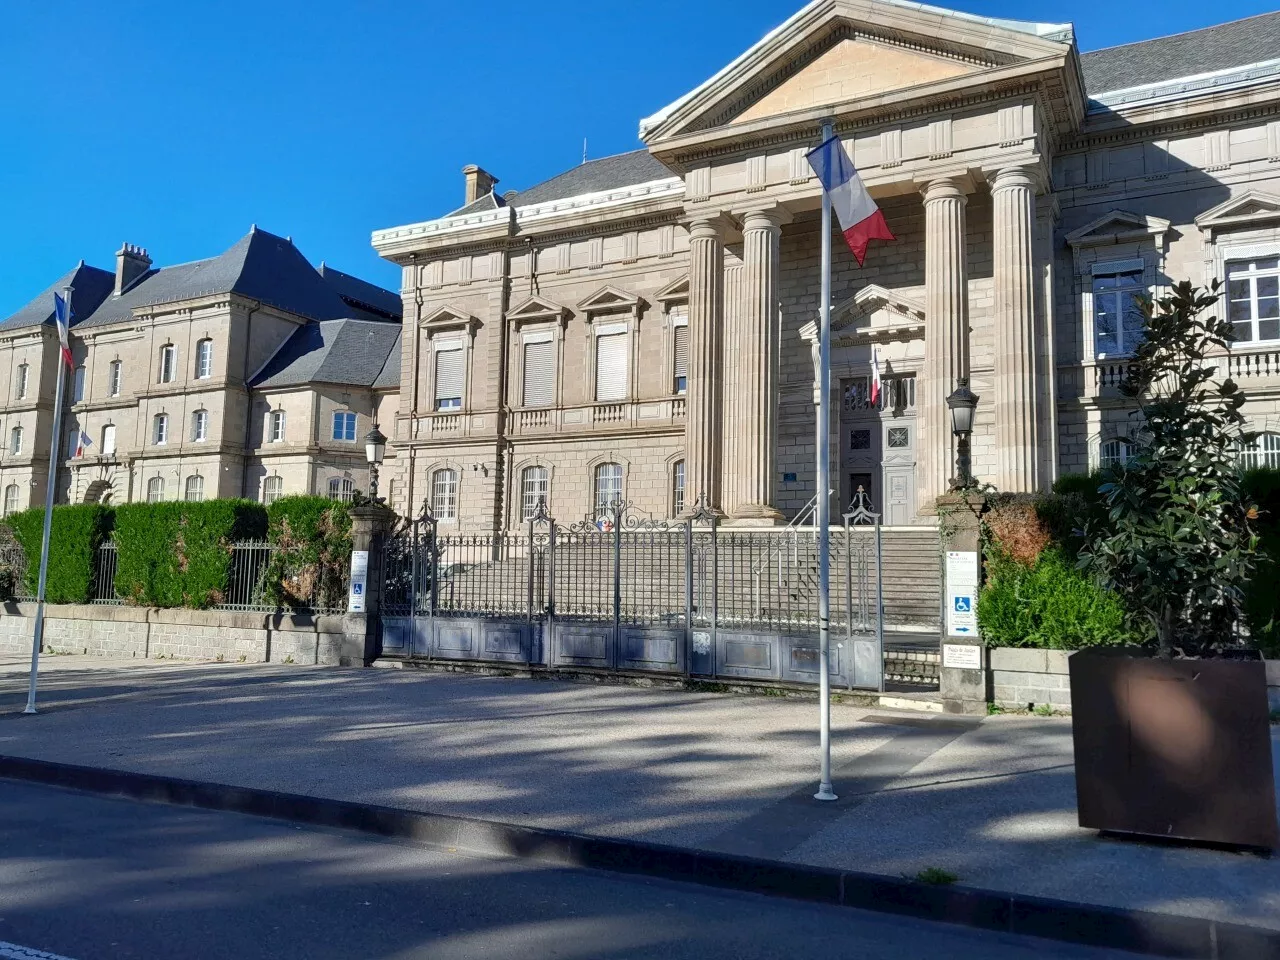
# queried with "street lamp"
point(962, 403)
point(375, 445)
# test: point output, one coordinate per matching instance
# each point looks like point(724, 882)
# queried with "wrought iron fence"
point(636, 570)
point(104, 574)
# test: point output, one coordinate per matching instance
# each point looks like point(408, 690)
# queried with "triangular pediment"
point(837, 52)
point(676, 291)
point(538, 308)
point(609, 298)
point(878, 314)
point(448, 316)
point(1118, 226)
point(1253, 206)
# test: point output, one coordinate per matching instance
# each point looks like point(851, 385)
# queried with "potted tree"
point(1173, 739)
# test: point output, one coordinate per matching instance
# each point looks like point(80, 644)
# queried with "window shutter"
point(448, 374)
point(611, 367)
point(539, 374)
point(682, 352)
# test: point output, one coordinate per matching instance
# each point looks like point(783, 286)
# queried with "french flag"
point(62, 314)
point(860, 218)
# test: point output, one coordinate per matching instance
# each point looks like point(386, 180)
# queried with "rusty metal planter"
point(1173, 748)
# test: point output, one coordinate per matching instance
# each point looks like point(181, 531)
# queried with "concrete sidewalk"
point(993, 802)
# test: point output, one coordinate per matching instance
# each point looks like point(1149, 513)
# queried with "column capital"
point(713, 225)
point(1024, 175)
point(945, 187)
point(769, 217)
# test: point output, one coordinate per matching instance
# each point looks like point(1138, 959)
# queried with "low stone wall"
point(1024, 679)
point(146, 632)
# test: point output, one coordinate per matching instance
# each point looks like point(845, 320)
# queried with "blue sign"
point(964, 604)
point(788, 478)
point(357, 588)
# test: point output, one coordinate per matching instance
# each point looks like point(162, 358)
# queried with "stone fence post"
point(963, 671)
point(362, 625)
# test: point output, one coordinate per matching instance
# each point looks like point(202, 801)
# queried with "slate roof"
point(92, 286)
point(259, 265)
point(343, 351)
point(368, 298)
point(390, 375)
point(607, 173)
point(1227, 45)
point(479, 205)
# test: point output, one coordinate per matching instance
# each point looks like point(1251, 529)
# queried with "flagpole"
point(37, 639)
point(825, 790)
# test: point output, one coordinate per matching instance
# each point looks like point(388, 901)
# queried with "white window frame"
point(1114, 451)
point(618, 328)
point(200, 426)
point(601, 496)
point(348, 418)
point(199, 489)
point(11, 495)
point(168, 363)
point(441, 345)
point(1250, 255)
point(155, 490)
point(160, 429)
point(204, 359)
point(15, 441)
point(1113, 268)
point(535, 337)
point(342, 488)
point(1263, 452)
point(533, 488)
point(276, 426)
point(24, 380)
point(679, 319)
point(272, 489)
point(77, 384)
point(108, 440)
point(677, 488)
point(115, 378)
point(444, 494)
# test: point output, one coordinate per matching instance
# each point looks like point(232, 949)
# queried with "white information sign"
point(962, 656)
point(359, 581)
point(962, 593)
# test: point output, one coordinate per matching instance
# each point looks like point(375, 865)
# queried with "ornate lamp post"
point(375, 446)
point(962, 403)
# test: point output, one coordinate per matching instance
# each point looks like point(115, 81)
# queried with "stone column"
point(362, 630)
point(1015, 411)
point(731, 350)
point(755, 399)
point(706, 318)
point(946, 334)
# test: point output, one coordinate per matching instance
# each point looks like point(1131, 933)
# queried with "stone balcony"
point(1252, 369)
point(627, 414)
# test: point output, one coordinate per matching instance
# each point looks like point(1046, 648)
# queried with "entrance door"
point(900, 489)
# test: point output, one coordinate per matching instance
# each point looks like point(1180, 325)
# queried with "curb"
point(1140, 931)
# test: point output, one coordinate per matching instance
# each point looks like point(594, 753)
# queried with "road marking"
point(11, 951)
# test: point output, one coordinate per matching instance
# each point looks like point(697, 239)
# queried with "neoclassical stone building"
point(642, 324)
point(250, 373)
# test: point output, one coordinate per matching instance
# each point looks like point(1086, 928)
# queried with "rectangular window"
point(449, 379)
point(539, 373)
point(23, 371)
point(160, 429)
point(204, 359)
point(681, 372)
point(200, 425)
point(168, 362)
point(73, 442)
point(1118, 322)
point(533, 490)
point(444, 495)
point(275, 426)
point(77, 386)
point(677, 488)
point(611, 367)
point(608, 487)
point(272, 487)
point(344, 426)
point(1253, 299)
point(113, 379)
point(109, 440)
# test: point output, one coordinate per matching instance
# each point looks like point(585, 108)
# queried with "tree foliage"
point(1177, 544)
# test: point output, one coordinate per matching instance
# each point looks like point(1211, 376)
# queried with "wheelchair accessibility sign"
point(963, 604)
point(961, 587)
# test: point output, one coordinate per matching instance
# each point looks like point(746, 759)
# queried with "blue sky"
point(177, 125)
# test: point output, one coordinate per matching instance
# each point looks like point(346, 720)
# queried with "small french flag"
point(875, 375)
point(860, 218)
point(62, 314)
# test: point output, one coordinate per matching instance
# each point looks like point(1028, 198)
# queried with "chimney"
point(479, 182)
point(131, 263)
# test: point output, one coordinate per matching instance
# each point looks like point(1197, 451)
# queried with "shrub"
point(179, 554)
point(1047, 604)
point(312, 540)
point(75, 533)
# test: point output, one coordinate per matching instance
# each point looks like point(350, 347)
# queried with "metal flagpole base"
point(825, 792)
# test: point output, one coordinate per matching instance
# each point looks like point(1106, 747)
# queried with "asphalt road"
point(93, 878)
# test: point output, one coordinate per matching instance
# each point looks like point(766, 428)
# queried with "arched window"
point(608, 487)
point(200, 425)
point(114, 378)
point(1263, 452)
point(533, 488)
point(1114, 452)
point(444, 494)
point(109, 440)
point(168, 363)
point(77, 385)
point(677, 488)
point(342, 488)
point(272, 487)
point(155, 490)
point(160, 428)
point(204, 359)
point(275, 426)
point(10, 499)
point(195, 488)
point(15, 441)
point(23, 373)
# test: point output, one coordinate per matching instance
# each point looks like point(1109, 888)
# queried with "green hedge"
point(178, 554)
point(312, 540)
point(75, 533)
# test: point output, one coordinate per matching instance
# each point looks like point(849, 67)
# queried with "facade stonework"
point(644, 326)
